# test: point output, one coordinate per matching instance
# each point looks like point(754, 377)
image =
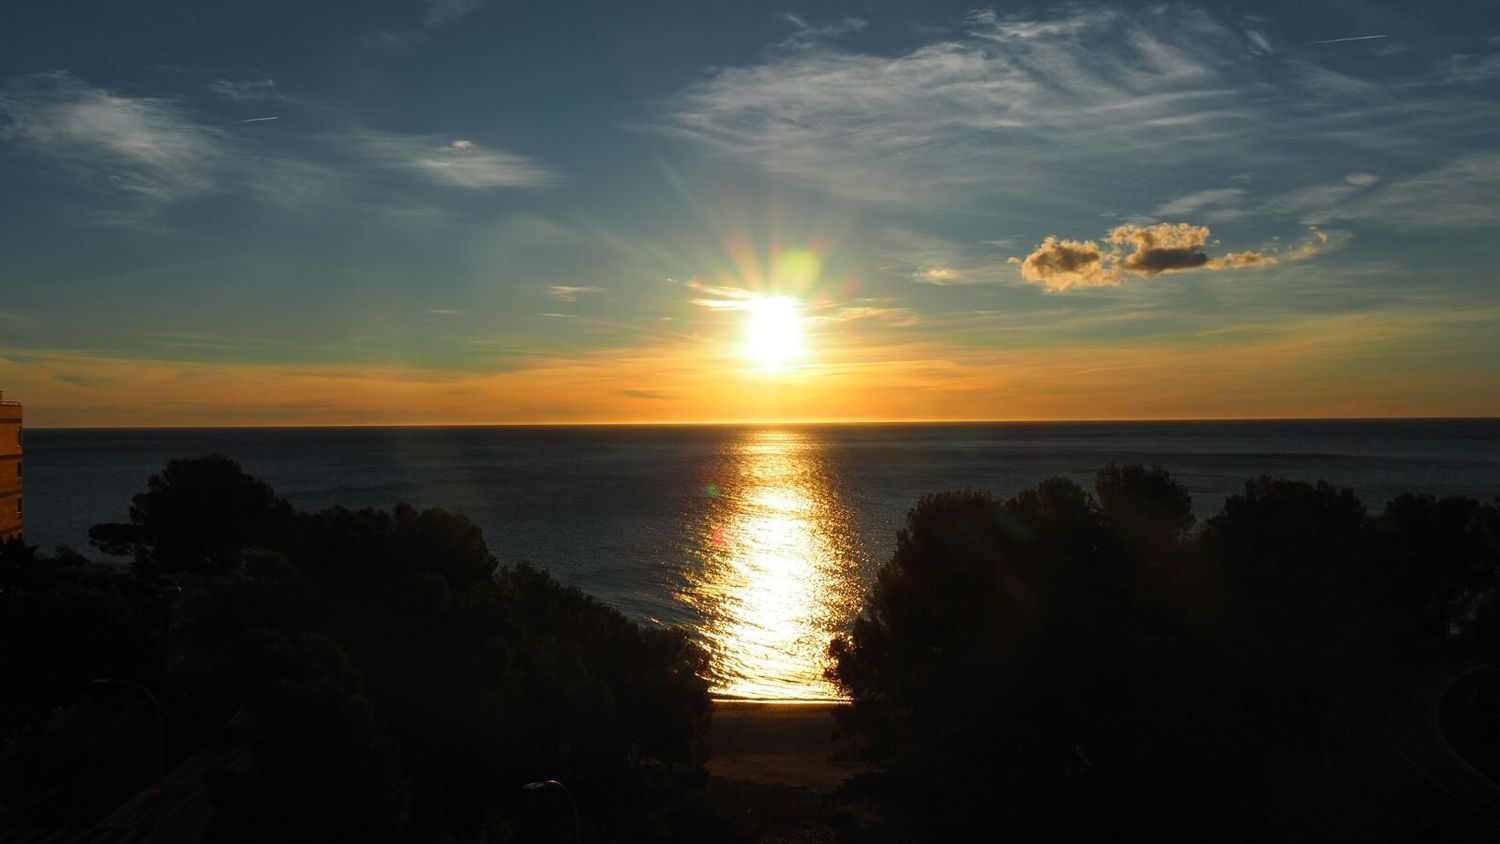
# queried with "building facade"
point(11, 472)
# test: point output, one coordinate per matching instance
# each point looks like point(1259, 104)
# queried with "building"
point(10, 470)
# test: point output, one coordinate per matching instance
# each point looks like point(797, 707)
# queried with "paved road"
point(1414, 726)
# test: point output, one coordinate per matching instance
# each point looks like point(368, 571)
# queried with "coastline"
point(794, 744)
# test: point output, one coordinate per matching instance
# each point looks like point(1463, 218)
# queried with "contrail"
point(1352, 38)
point(259, 119)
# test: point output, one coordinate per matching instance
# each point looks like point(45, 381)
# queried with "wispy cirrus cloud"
point(954, 113)
point(242, 90)
point(440, 12)
point(158, 149)
point(145, 146)
point(806, 33)
point(564, 293)
point(1048, 110)
point(458, 163)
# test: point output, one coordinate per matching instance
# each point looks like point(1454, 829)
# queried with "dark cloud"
point(1153, 261)
point(1164, 247)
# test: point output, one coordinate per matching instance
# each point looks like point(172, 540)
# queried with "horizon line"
point(766, 423)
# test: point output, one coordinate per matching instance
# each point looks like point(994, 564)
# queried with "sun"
point(773, 332)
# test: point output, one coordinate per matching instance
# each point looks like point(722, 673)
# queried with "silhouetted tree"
point(1146, 508)
point(484, 678)
point(196, 515)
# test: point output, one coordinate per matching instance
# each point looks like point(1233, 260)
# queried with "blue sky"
point(484, 212)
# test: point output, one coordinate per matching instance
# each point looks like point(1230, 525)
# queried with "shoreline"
point(789, 744)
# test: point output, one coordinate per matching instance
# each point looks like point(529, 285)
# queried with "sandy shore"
point(795, 745)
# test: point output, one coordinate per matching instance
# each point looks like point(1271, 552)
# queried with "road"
point(1414, 727)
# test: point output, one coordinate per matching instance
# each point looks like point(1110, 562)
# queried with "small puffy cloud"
point(1161, 248)
point(564, 293)
point(1259, 44)
point(1241, 260)
point(1362, 179)
point(1063, 264)
point(1135, 249)
point(940, 276)
point(439, 12)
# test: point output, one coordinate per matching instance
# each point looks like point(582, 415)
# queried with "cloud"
point(940, 276)
point(439, 12)
point(454, 163)
point(960, 114)
point(1467, 68)
point(989, 24)
point(1241, 260)
point(1065, 264)
point(240, 90)
point(650, 395)
point(1215, 204)
point(1161, 248)
point(1458, 193)
point(143, 146)
point(928, 259)
point(156, 149)
point(891, 316)
point(806, 34)
point(719, 297)
point(1143, 251)
point(1068, 99)
point(565, 293)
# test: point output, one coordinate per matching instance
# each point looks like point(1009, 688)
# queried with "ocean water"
point(760, 539)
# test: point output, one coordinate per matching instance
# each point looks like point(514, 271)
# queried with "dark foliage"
point(195, 516)
point(1057, 668)
point(389, 679)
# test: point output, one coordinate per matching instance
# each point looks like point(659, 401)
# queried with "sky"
point(472, 212)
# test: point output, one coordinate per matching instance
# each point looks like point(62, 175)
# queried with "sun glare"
point(773, 332)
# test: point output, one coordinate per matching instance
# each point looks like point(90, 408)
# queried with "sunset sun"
point(773, 336)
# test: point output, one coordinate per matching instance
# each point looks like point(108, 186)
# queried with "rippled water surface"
point(759, 539)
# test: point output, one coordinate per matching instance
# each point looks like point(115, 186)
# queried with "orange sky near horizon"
point(1371, 364)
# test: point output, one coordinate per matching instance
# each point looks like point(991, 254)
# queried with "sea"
point(761, 540)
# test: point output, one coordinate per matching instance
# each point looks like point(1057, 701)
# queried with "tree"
point(196, 515)
point(1146, 508)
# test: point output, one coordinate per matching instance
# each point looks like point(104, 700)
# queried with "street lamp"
point(572, 805)
point(160, 725)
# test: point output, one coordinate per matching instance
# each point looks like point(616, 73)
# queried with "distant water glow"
point(773, 576)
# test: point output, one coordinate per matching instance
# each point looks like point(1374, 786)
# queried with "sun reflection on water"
point(776, 574)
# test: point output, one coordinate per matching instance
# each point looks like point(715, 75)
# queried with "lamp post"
point(572, 805)
point(160, 724)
